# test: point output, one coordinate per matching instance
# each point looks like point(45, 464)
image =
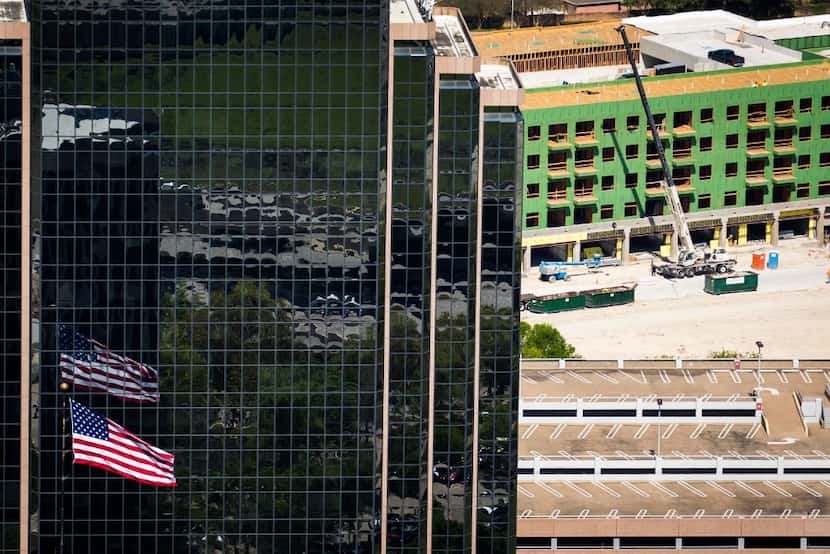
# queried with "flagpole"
point(64, 388)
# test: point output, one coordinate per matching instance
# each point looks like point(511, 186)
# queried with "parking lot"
point(680, 498)
point(591, 383)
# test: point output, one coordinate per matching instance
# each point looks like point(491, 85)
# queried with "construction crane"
point(690, 260)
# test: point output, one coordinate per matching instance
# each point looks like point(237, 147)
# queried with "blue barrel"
point(772, 259)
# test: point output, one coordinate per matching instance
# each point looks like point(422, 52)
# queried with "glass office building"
point(305, 216)
point(11, 189)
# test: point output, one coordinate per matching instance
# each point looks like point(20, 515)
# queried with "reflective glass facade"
point(10, 264)
point(210, 189)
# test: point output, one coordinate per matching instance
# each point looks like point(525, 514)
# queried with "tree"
point(544, 341)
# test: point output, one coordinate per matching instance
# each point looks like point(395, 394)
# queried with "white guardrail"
point(672, 468)
point(707, 409)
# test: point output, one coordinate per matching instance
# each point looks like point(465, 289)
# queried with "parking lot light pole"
point(760, 345)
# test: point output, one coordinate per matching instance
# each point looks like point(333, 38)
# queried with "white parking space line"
point(607, 489)
point(613, 513)
point(558, 430)
point(782, 376)
point(636, 490)
point(642, 430)
point(735, 376)
point(728, 513)
point(526, 513)
point(692, 489)
point(826, 376)
point(537, 454)
point(579, 489)
point(641, 380)
point(528, 380)
point(687, 375)
point(749, 489)
point(670, 514)
point(584, 514)
point(622, 454)
point(664, 376)
point(806, 489)
point(778, 489)
point(578, 377)
point(786, 513)
point(698, 430)
point(756, 514)
point(555, 514)
point(825, 483)
point(613, 431)
point(669, 430)
point(805, 377)
point(552, 377)
point(814, 513)
point(566, 454)
point(725, 431)
point(736, 454)
point(526, 492)
point(765, 454)
point(606, 377)
point(547, 488)
point(529, 431)
point(699, 513)
point(641, 514)
point(795, 455)
point(721, 489)
point(753, 430)
point(711, 376)
point(585, 432)
point(540, 397)
point(664, 489)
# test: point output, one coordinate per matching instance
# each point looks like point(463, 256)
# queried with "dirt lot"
point(790, 312)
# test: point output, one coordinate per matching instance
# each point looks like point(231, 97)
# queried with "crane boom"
point(680, 225)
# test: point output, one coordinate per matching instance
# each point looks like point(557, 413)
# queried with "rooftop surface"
point(741, 444)
point(12, 11)
point(497, 76)
point(451, 38)
point(404, 11)
point(699, 44)
point(559, 77)
point(704, 21)
point(546, 39)
point(620, 91)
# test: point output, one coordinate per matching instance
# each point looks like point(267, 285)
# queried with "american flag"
point(102, 443)
point(90, 365)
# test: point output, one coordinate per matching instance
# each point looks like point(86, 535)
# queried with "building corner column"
point(626, 246)
point(724, 233)
point(773, 234)
point(577, 253)
point(525, 261)
point(820, 223)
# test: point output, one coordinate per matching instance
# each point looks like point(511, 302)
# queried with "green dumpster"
point(611, 296)
point(740, 281)
point(560, 302)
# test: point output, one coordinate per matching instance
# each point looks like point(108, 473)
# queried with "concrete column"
point(577, 251)
point(743, 234)
point(776, 220)
point(570, 256)
point(820, 225)
point(675, 248)
point(626, 245)
point(526, 260)
point(723, 232)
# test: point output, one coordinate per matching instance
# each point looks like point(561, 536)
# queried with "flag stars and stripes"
point(90, 365)
point(102, 443)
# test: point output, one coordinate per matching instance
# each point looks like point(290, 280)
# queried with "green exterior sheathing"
point(717, 157)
